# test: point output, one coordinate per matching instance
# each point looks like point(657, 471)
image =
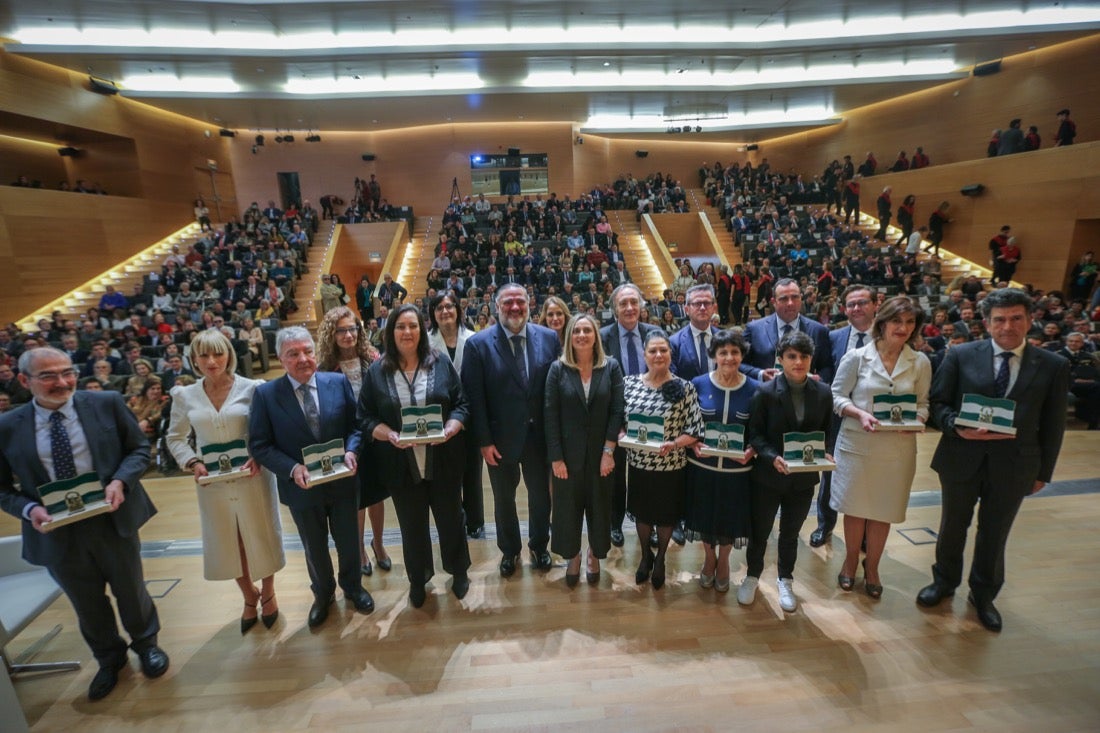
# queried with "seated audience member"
point(1084, 379)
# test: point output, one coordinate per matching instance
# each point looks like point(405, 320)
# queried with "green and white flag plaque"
point(994, 414)
point(224, 462)
point(644, 432)
point(723, 441)
point(421, 424)
point(896, 412)
point(325, 462)
point(72, 500)
point(805, 452)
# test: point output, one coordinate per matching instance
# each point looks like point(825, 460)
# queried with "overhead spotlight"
point(698, 128)
point(224, 132)
point(255, 149)
point(69, 152)
point(259, 141)
point(687, 128)
point(313, 138)
point(278, 138)
point(288, 138)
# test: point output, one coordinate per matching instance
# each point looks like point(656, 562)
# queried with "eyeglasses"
point(347, 330)
point(445, 307)
point(857, 303)
point(52, 377)
point(700, 304)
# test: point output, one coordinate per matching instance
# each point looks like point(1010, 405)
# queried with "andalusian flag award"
point(224, 462)
point(723, 441)
point(897, 412)
point(421, 424)
point(73, 499)
point(993, 414)
point(644, 432)
point(325, 462)
point(805, 452)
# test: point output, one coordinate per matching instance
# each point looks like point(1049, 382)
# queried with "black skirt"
point(655, 497)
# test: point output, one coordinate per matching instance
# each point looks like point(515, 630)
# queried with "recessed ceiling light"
point(607, 63)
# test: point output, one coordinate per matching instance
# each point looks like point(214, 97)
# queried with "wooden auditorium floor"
point(528, 654)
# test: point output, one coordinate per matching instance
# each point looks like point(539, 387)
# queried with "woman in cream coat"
point(875, 469)
point(241, 531)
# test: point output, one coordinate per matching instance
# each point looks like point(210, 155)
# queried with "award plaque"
point(421, 425)
point(72, 500)
point(896, 412)
point(325, 462)
point(805, 452)
point(993, 414)
point(723, 441)
point(224, 462)
point(643, 432)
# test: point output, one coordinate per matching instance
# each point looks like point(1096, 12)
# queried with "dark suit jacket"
point(609, 335)
point(577, 427)
point(763, 334)
point(503, 410)
point(277, 432)
point(685, 362)
point(1040, 395)
point(378, 403)
point(771, 415)
point(838, 343)
point(119, 450)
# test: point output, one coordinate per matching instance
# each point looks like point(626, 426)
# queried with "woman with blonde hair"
point(344, 346)
point(241, 531)
point(554, 315)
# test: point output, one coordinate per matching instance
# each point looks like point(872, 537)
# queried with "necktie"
point(309, 407)
point(61, 450)
point(632, 367)
point(787, 329)
point(1000, 384)
point(859, 340)
point(702, 353)
point(521, 362)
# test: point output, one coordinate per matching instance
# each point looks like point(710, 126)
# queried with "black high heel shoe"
point(384, 563)
point(658, 577)
point(248, 623)
point(269, 619)
point(593, 578)
point(571, 579)
point(644, 567)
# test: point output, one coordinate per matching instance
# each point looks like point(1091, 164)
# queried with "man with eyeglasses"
point(859, 305)
point(690, 344)
point(504, 374)
point(763, 334)
point(60, 435)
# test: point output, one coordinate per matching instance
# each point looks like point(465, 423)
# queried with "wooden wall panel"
point(351, 259)
point(685, 231)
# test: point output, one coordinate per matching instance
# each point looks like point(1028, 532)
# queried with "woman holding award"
point(875, 466)
point(241, 532)
point(420, 472)
point(719, 512)
point(655, 480)
point(584, 415)
point(343, 346)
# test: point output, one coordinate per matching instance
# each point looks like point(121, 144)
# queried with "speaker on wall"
point(987, 69)
point(513, 152)
point(68, 152)
point(974, 189)
point(754, 146)
point(369, 156)
point(641, 153)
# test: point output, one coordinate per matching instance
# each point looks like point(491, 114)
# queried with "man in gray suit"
point(994, 470)
point(60, 435)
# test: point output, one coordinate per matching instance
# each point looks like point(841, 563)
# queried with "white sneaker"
point(746, 592)
point(787, 601)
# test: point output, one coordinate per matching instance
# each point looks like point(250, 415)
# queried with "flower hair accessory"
point(673, 391)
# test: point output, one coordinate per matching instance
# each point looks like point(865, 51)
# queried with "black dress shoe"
point(678, 534)
point(617, 538)
point(154, 662)
point(508, 565)
point(476, 533)
point(592, 578)
point(987, 613)
point(361, 599)
point(571, 579)
point(460, 586)
point(417, 596)
point(318, 612)
point(820, 536)
point(105, 679)
point(543, 561)
point(931, 594)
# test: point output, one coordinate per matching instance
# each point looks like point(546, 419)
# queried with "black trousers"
point(997, 508)
point(504, 479)
point(473, 495)
point(618, 490)
point(338, 515)
point(826, 515)
point(97, 557)
point(793, 505)
point(412, 502)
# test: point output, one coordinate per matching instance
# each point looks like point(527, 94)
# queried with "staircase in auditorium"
point(697, 201)
point(416, 262)
point(636, 253)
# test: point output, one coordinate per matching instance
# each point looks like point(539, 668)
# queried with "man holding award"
point(296, 422)
point(1000, 461)
point(87, 449)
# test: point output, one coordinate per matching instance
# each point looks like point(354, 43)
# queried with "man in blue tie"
point(690, 344)
point(624, 340)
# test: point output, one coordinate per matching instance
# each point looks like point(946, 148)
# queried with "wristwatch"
point(608, 451)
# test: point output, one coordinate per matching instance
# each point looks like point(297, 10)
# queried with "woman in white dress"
point(874, 468)
point(241, 531)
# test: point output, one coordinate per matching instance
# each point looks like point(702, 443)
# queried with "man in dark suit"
point(994, 470)
point(625, 341)
point(306, 407)
point(60, 435)
point(689, 344)
point(173, 370)
point(860, 306)
point(504, 373)
point(764, 333)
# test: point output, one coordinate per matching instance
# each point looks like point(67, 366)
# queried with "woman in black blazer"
point(420, 477)
point(584, 414)
point(790, 402)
